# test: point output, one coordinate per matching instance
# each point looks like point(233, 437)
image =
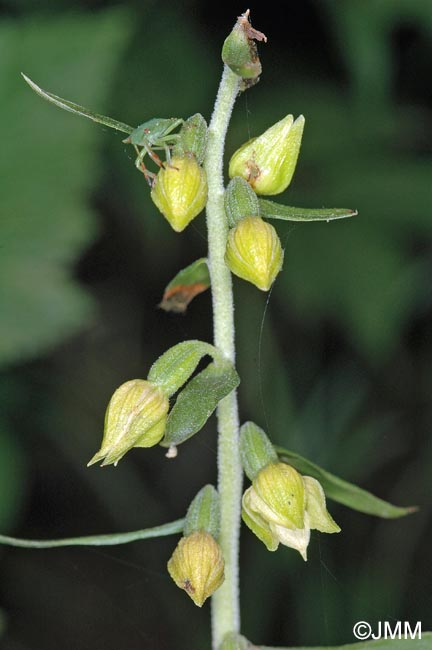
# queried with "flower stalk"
point(225, 602)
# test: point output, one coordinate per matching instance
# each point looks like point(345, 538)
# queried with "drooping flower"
point(282, 507)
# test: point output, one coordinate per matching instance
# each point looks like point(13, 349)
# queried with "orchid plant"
point(287, 496)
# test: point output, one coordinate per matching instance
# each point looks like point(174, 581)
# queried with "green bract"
point(203, 512)
point(240, 201)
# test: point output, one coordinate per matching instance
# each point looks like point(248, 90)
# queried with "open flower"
point(282, 507)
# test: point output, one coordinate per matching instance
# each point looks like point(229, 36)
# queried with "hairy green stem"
point(225, 602)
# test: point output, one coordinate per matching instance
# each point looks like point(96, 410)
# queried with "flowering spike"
point(180, 191)
point(268, 161)
point(254, 252)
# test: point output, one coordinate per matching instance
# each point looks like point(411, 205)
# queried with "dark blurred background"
point(338, 367)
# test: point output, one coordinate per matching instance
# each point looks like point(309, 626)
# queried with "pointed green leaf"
point(176, 365)
point(272, 210)
point(425, 643)
point(114, 539)
point(188, 283)
point(79, 110)
point(343, 492)
point(198, 400)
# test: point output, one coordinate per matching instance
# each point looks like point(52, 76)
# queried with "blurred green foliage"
point(336, 365)
point(47, 222)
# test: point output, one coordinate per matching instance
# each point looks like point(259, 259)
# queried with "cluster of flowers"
point(280, 507)
point(267, 163)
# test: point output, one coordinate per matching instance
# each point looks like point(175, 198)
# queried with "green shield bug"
point(155, 134)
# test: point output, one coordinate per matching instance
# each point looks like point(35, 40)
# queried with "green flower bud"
point(239, 51)
point(282, 507)
point(254, 252)
point(268, 161)
point(135, 417)
point(180, 191)
point(197, 566)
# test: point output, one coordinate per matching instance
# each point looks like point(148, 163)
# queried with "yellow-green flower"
point(197, 566)
point(135, 417)
point(254, 252)
point(268, 161)
point(282, 507)
point(180, 191)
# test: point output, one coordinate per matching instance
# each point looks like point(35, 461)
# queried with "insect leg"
point(153, 155)
point(139, 164)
